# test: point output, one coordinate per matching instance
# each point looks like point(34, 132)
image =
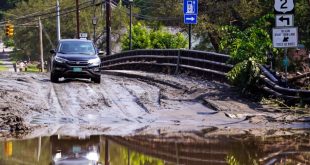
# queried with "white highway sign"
point(284, 6)
point(285, 37)
point(284, 20)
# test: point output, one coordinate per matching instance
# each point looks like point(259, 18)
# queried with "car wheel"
point(54, 78)
point(97, 79)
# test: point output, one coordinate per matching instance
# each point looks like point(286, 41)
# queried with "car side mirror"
point(52, 51)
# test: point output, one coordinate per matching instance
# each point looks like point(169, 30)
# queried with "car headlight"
point(92, 156)
point(60, 60)
point(95, 61)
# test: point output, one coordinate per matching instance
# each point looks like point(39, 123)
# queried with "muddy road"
point(133, 103)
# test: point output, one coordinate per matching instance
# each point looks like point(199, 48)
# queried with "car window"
point(67, 47)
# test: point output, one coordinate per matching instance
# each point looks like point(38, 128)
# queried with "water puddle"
point(141, 150)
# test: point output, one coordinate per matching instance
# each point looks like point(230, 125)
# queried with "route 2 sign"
point(284, 6)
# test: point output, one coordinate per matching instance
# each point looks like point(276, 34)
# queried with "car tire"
point(54, 78)
point(97, 79)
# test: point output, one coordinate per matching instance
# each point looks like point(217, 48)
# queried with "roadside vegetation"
point(32, 68)
point(144, 38)
point(3, 68)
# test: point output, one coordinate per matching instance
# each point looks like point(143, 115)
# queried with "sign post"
point(284, 35)
point(190, 10)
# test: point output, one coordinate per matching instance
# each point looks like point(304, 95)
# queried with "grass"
point(3, 68)
point(32, 68)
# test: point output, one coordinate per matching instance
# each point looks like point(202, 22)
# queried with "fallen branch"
point(299, 77)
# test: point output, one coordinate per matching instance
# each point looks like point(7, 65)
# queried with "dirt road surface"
point(132, 103)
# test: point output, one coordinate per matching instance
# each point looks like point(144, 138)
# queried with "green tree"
point(160, 12)
point(247, 48)
point(251, 42)
point(142, 38)
point(25, 16)
point(164, 40)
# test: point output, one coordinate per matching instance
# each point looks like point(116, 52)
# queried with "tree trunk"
point(214, 40)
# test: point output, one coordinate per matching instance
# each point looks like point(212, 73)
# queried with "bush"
point(140, 38)
point(247, 49)
point(245, 74)
point(163, 40)
point(154, 39)
point(9, 42)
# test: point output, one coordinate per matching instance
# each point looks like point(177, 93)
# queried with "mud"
point(134, 103)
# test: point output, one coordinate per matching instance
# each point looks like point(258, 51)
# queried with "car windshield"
point(76, 47)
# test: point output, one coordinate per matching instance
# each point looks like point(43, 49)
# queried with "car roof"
point(81, 40)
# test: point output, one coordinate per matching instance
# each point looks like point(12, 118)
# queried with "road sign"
point(284, 6)
point(285, 37)
point(190, 9)
point(190, 19)
point(284, 20)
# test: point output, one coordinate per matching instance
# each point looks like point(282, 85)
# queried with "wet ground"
point(143, 118)
point(133, 103)
point(141, 150)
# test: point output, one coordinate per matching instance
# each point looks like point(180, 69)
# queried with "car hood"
point(77, 57)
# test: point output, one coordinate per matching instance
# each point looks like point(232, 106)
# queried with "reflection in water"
point(140, 150)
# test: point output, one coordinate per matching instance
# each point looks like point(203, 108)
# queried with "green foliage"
point(169, 12)
point(8, 42)
point(245, 74)
point(302, 19)
point(5, 5)
point(32, 68)
point(2, 67)
point(247, 48)
point(27, 37)
point(251, 42)
point(142, 38)
point(120, 156)
point(231, 160)
point(163, 40)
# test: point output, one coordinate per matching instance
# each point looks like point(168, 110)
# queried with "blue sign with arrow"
point(190, 19)
point(190, 9)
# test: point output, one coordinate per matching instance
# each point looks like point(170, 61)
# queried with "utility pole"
point(190, 36)
point(58, 20)
point(41, 45)
point(108, 27)
point(77, 19)
point(130, 27)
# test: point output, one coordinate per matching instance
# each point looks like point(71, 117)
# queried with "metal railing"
point(209, 65)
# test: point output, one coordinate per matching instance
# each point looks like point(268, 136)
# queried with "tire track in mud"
point(177, 98)
point(144, 94)
point(121, 99)
point(87, 105)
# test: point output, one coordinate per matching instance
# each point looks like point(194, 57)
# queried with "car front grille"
point(77, 63)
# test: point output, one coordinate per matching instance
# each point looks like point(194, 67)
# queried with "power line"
point(53, 16)
point(147, 17)
point(40, 14)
